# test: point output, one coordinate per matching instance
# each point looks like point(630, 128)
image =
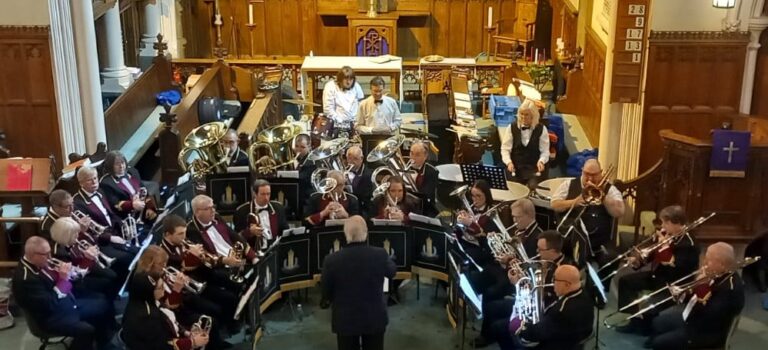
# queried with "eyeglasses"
point(562, 281)
point(47, 253)
point(539, 249)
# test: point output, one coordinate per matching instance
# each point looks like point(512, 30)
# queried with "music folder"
point(386, 222)
point(595, 278)
point(424, 219)
point(295, 231)
point(474, 300)
point(244, 299)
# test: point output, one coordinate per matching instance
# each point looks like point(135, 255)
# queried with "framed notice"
point(629, 50)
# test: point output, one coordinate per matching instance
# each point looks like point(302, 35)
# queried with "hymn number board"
point(629, 50)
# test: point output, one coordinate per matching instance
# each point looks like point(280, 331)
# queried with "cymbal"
point(300, 102)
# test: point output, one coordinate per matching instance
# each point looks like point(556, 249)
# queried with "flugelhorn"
point(102, 259)
point(94, 227)
point(238, 252)
point(260, 242)
point(172, 273)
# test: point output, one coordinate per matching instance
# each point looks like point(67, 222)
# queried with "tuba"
point(328, 157)
point(388, 152)
point(273, 148)
point(203, 153)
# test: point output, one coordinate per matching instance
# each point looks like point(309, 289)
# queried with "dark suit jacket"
point(239, 159)
point(47, 223)
point(35, 294)
point(685, 260)
point(362, 187)
point(117, 195)
point(426, 182)
point(708, 324)
point(86, 205)
point(194, 235)
point(565, 324)
point(277, 220)
point(353, 280)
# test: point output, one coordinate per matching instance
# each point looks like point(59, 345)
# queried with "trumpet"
point(102, 259)
point(676, 288)
point(94, 227)
point(172, 273)
point(209, 260)
point(647, 247)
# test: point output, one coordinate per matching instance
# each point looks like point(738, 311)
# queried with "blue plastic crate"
point(503, 109)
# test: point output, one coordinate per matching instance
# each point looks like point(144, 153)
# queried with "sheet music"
point(244, 299)
point(597, 282)
point(336, 222)
point(288, 174)
point(386, 222)
point(295, 231)
point(144, 246)
point(424, 219)
point(238, 169)
point(183, 179)
point(386, 285)
point(476, 301)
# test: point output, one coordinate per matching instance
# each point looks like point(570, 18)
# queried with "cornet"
point(130, 231)
point(101, 259)
point(238, 252)
point(209, 260)
point(74, 272)
point(93, 227)
point(171, 273)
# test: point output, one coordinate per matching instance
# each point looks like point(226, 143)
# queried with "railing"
point(644, 191)
point(131, 109)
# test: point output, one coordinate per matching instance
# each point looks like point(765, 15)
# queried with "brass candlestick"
point(372, 9)
point(251, 27)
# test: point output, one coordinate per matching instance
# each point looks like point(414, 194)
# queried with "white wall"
point(24, 12)
point(693, 15)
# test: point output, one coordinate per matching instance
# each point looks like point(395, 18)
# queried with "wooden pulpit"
point(372, 36)
point(740, 203)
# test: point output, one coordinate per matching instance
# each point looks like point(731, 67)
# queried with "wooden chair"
point(501, 38)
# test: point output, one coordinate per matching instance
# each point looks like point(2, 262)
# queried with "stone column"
point(149, 29)
point(756, 27)
point(170, 11)
point(92, 122)
point(66, 84)
point(610, 116)
point(111, 57)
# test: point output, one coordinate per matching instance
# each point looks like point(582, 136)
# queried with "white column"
point(170, 10)
point(66, 85)
point(756, 27)
point(111, 57)
point(150, 27)
point(610, 116)
point(88, 73)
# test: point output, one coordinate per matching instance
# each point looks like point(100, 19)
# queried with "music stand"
point(598, 284)
point(493, 174)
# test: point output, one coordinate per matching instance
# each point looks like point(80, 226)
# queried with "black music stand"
point(493, 174)
point(600, 298)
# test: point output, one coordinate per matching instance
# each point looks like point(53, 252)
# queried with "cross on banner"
point(730, 150)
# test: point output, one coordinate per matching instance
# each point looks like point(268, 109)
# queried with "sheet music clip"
point(424, 219)
point(244, 299)
point(335, 222)
point(295, 231)
point(386, 222)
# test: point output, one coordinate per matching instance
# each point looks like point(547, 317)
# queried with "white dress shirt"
point(264, 219)
point(341, 105)
point(221, 245)
point(506, 145)
point(378, 116)
point(127, 184)
point(96, 199)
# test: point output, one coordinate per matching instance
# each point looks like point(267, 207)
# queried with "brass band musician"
point(91, 201)
point(424, 176)
point(549, 244)
point(378, 113)
point(44, 292)
point(61, 205)
point(525, 151)
point(301, 147)
point(527, 229)
point(668, 263)
point(148, 323)
point(396, 203)
point(703, 319)
point(335, 204)
point(360, 177)
point(122, 188)
point(597, 220)
point(271, 220)
point(231, 143)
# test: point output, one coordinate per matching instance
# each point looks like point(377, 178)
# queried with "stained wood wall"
point(296, 27)
point(693, 85)
point(28, 111)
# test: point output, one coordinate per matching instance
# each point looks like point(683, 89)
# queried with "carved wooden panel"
point(693, 84)
point(28, 111)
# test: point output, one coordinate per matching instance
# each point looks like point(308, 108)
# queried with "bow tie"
point(378, 102)
point(259, 210)
point(525, 128)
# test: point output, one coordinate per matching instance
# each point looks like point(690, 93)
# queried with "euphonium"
point(461, 192)
point(195, 287)
point(529, 300)
point(383, 190)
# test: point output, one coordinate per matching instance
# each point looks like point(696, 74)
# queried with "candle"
point(536, 57)
point(250, 13)
point(490, 17)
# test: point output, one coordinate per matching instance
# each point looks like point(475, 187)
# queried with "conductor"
point(352, 282)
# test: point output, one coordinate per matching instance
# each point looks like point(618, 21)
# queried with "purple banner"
point(730, 150)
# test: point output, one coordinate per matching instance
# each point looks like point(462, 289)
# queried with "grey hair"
point(199, 201)
point(355, 229)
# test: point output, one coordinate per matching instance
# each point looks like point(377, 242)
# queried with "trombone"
point(102, 259)
point(678, 287)
point(592, 194)
point(647, 247)
point(172, 273)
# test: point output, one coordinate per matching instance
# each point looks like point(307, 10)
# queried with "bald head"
point(355, 229)
point(567, 279)
point(720, 257)
point(37, 251)
point(591, 172)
